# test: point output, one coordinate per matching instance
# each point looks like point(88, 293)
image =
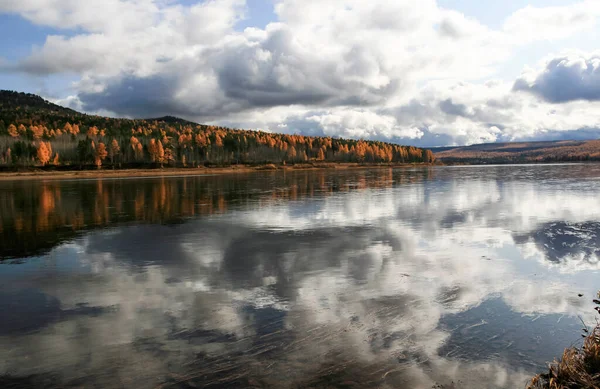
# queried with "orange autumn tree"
point(92, 131)
point(44, 152)
point(12, 131)
point(152, 150)
point(37, 131)
point(156, 150)
point(100, 153)
point(168, 155)
point(138, 149)
point(74, 129)
point(113, 150)
point(291, 153)
point(321, 155)
point(428, 156)
point(160, 152)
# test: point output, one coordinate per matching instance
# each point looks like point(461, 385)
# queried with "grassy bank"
point(579, 368)
point(35, 174)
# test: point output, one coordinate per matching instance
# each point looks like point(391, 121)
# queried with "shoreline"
point(41, 174)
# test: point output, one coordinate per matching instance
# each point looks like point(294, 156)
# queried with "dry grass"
point(578, 368)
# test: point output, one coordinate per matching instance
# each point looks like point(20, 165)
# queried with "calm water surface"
point(449, 277)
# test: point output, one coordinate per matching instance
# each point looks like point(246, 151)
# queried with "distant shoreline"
point(107, 172)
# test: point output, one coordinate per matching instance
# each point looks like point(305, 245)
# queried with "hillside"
point(521, 152)
point(35, 132)
point(16, 103)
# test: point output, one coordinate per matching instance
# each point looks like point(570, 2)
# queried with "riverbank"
point(43, 174)
point(578, 367)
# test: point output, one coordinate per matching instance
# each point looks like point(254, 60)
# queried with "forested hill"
point(522, 152)
point(35, 132)
point(15, 104)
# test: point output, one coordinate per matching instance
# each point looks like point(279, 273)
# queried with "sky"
point(425, 73)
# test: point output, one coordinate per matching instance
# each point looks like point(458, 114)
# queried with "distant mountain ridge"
point(171, 119)
point(515, 152)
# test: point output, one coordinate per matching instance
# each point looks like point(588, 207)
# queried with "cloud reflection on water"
point(358, 287)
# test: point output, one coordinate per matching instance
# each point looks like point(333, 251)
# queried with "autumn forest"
point(36, 133)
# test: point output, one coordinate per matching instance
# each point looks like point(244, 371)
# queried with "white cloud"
point(381, 69)
point(92, 16)
point(353, 123)
point(564, 78)
point(549, 23)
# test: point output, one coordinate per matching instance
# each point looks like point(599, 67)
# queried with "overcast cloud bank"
point(388, 70)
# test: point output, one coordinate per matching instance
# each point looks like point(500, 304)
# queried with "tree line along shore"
point(36, 133)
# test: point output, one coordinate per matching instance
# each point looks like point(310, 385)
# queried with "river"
point(445, 277)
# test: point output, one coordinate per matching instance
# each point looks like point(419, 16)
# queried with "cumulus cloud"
point(356, 123)
point(375, 70)
point(93, 16)
point(564, 78)
point(547, 23)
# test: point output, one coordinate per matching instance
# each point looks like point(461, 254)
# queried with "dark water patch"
point(41, 381)
point(30, 310)
point(566, 242)
point(494, 331)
